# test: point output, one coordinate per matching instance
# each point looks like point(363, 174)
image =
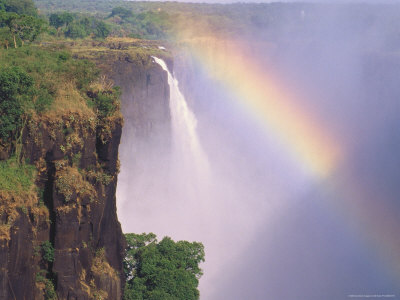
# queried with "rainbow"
point(314, 147)
point(269, 103)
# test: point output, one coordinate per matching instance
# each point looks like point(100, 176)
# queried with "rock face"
point(64, 240)
point(146, 137)
point(77, 161)
point(145, 103)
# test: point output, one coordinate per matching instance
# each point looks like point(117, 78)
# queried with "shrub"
point(47, 251)
point(75, 30)
point(49, 290)
point(107, 102)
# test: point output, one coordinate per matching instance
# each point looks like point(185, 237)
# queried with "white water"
point(202, 199)
point(196, 189)
point(187, 155)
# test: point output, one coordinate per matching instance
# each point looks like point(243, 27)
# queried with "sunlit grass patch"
point(16, 177)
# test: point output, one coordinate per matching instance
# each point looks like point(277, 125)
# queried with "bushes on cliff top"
point(107, 102)
point(30, 78)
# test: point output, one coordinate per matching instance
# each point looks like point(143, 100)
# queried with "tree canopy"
point(57, 20)
point(78, 26)
point(21, 7)
point(14, 84)
point(164, 270)
point(20, 18)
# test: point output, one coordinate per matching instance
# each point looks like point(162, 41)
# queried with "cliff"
point(144, 85)
point(60, 237)
point(77, 164)
point(144, 104)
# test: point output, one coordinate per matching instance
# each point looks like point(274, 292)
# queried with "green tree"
point(165, 270)
point(5, 37)
point(122, 12)
point(101, 30)
point(14, 84)
point(60, 19)
point(27, 28)
point(75, 30)
point(56, 20)
point(23, 27)
point(21, 7)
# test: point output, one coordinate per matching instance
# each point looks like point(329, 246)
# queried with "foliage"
point(41, 276)
point(16, 177)
point(161, 270)
point(122, 12)
point(15, 85)
point(106, 102)
point(23, 28)
point(70, 182)
point(260, 20)
point(21, 7)
point(30, 79)
point(58, 20)
point(47, 251)
point(101, 30)
point(78, 26)
point(75, 30)
point(49, 290)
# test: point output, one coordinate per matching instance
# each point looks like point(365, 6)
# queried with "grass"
point(53, 71)
point(16, 177)
point(114, 48)
point(17, 189)
point(69, 100)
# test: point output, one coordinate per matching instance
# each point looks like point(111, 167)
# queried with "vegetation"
point(21, 7)
point(69, 182)
point(49, 290)
point(47, 285)
point(30, 81)
point(163, 20)
point(15, 86)
point(106, 102)
point(78, 26)
point(19, 22)
point(47, 251)
point(161, 270)
point(16, 177)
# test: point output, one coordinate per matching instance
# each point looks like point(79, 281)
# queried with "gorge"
point(265, 132)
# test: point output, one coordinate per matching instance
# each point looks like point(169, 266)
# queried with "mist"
point(271, 227)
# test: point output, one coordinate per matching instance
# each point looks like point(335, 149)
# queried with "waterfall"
point(195, 187)
point(187, 152)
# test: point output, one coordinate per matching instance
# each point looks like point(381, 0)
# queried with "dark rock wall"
point(75, 205)
point(147, 127)
point(78, 177)
point(145, 101)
